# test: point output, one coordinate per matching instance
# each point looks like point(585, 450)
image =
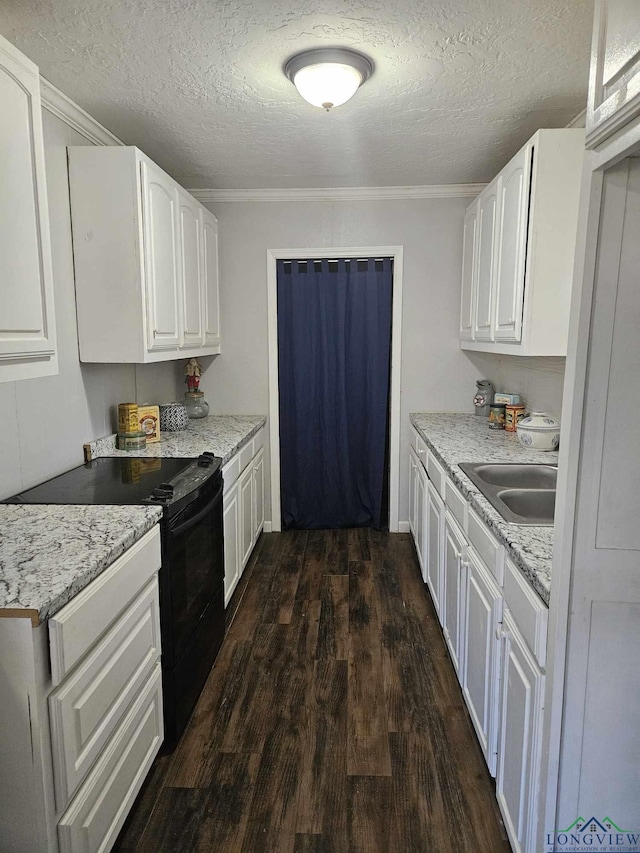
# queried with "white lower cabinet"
point(434, 534)
point(481, 643)
point(495, 628)
point(243, 509)
point(454, 583)
point(521, 707)
point(81, 710)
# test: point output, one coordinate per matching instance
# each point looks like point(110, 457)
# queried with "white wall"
point(44, 422)
point(436, 375)
point(539, 381)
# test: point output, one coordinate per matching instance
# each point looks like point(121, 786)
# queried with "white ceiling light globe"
point(328, 77)
point(327, 84)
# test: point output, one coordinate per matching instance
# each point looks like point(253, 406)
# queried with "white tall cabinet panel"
point(512, 245)
point(614, 85)
point(191, 271)
point(161, 258)
point(27, 321)
point(232, 564)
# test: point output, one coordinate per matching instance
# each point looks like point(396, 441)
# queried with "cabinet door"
point(27, 325)
point(518, 768)
point(191, 271)
point(258, 494)
point(469, 273)
point(453, 594)
point(161, 258)
point(614, 85)
point(245, 491)
point(417, 507)
point(434, 534)
point(211, 280)
point(514, 190)
point(487, 221)
point(231, 515)
point(481, 651)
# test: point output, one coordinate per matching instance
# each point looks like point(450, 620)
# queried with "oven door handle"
point(181, 528)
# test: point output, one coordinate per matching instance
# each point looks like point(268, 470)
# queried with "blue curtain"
point(334, 349)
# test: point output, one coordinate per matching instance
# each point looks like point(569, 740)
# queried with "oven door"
point(192, 572)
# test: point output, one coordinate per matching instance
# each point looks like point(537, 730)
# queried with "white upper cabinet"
point(614, 85)
point(27, 322)
point(514, 214)
point(527, 219)
point(191, 270)
point(469, 272)
point(485, 279)
point(146, 260)
point(161, 258)
point(210, 272)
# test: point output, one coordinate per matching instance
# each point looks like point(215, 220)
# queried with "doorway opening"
point(334, 352)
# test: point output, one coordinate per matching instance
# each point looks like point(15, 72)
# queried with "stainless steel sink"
point(522, 494)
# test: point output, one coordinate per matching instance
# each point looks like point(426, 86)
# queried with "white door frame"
point(273, 255)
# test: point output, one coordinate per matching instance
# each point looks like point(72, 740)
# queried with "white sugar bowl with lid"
point(539, 431)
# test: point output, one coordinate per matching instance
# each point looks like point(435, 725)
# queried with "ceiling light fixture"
point(328, 77)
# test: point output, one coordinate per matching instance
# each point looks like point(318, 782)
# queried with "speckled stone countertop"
point(222, 435)
point(48, 554)
point(455, 438)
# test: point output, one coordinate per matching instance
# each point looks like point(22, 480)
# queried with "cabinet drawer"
point(246, 455)
point(91, 702)
point(231, 472)
point(435, 472)
point(530, 614)
point(258, 440)
point(77, 626)
point(95, 816)
point(456, 503)
point(486, 545)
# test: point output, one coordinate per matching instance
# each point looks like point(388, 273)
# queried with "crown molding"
point(340, 193)
point(579, 120)
point(61, 106)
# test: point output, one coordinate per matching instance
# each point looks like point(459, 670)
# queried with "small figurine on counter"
point(193, 371)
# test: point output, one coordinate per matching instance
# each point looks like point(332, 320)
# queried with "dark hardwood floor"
point(332, 720)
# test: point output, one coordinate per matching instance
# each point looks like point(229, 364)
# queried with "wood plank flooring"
point(332, 721)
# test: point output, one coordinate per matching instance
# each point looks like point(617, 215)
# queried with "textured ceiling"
point(459, 85)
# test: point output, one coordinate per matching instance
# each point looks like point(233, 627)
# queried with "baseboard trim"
point(403, 527)
point(266, 527)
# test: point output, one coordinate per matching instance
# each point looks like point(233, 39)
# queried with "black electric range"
point(189, 491)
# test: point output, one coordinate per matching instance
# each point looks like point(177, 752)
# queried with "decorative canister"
point(512, 417)
point(132, 440)
point(173, 417)
point(483, 397)
point(128, 417)
point(195, 404)
point(496, 416)
point(539, 431)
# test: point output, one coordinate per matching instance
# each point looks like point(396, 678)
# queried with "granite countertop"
point(48, 554)
point(455, 438)
point(222, 435)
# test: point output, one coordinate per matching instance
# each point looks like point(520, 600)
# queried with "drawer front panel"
point(246, 455)
point(435, 472)
point(231, 471)
point(487, 546)
point(77, 626)
point(96, 814)
point(91, 702)
point(258, 440)
point(456, 503)
point(529, 613)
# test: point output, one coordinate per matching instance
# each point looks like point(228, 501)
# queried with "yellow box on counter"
point(128, 417)
point(149, 422)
